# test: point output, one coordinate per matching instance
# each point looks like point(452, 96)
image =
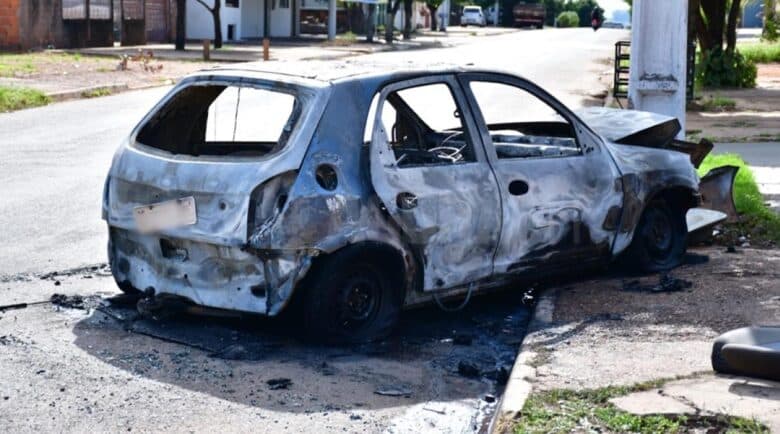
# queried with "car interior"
point(223, 120)
point(416, 143)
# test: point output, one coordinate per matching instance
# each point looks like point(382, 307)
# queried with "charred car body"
point(356, 193)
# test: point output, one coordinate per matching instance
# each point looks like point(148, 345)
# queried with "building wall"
point(201, 26)
point(9, 24)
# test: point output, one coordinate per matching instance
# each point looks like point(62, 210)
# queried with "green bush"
point(568, 19)
point(722, 69)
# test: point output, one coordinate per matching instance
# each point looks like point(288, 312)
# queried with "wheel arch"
point(679, 195)
point(401, 266)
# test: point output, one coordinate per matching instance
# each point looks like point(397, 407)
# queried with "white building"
point(248, 19)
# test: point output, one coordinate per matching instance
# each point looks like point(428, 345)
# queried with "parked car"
point(472, 15)
point(613, 25)
point(352, 192)
point(532, 14)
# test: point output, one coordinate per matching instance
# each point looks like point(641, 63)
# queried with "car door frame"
point(474, 250)
point(547, 249)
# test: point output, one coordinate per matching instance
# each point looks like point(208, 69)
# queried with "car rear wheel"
point(350, 298)
point(660, 239)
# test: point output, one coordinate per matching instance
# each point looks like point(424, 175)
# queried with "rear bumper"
point(210, 275)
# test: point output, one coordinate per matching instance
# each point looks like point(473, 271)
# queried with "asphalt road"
point(55, 158)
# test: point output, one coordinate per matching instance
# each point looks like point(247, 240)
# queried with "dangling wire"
point(455, 309)
point(235, 117)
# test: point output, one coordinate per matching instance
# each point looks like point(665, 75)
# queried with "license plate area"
point(165, 215)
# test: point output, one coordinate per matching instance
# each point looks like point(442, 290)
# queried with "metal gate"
point(158, 20)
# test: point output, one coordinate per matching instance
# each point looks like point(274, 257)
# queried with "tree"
point(433, 5)
point(715, 23)
point(215, 14)
point(181, 24)
point(770, 21)
point(392, 9)
point(407, 19)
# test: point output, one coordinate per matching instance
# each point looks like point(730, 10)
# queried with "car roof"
point(334, 71)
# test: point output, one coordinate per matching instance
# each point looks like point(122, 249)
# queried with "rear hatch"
point(208, 145)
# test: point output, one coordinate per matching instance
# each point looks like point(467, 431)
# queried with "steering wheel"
point(450, 153)
point(447, 153)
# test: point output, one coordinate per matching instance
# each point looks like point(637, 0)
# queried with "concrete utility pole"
point(331, 20)
point(659, 44)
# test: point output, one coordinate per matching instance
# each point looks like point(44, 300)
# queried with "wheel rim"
point(658, 234)
point(358, 302)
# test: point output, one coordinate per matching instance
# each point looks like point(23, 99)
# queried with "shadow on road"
point(432, 356)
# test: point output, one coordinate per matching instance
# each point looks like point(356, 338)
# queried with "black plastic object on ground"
point(749, 351)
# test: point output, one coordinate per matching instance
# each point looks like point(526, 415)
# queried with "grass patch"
point(717, 103)
point(761, 52)
point(17, 98)
point(25, 64)
point(759, 220)
point(94, 93)
point(563, 411)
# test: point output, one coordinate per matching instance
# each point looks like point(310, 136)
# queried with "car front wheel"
point(660, 238)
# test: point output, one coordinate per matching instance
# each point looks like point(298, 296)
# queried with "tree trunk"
point(407, 19)
point(181, 23)
point(432, 10)
point(370, 21)
point(389, 21)
point(714, 21)
point(731, 26)
point(217, 24)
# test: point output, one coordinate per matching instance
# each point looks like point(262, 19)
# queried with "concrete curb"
point(79, 93)
point(520, 383)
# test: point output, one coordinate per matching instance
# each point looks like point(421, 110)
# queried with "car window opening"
point(424, 127)
point(223, 120)
point(531, 128)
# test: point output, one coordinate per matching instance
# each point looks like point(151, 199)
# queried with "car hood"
point(639, 128)
point(631, 127)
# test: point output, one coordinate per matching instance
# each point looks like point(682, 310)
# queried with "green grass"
point(718, 103)
point(761, 52)
point(747, 197)
point(94, 93)
point(17, 98)
point(14, 65)
point(564, 411)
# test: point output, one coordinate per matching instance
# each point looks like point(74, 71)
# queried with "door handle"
point(518, 188)
point(406, 200)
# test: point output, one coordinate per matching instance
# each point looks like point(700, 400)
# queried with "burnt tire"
point(127, 288)
point(660, 238)
point(351, 297)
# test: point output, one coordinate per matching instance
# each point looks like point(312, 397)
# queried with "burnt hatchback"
point(353, 193)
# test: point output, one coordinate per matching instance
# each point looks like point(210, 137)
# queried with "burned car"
point(351, 193)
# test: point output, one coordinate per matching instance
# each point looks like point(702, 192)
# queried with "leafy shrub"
point(568, 19)
point(723, 69)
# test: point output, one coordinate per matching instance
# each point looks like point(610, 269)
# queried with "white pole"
point(331, 20)
point(659, 44)
point(495, 17)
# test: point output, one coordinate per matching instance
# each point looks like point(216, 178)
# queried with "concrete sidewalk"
point(283, 50)
point(608, 332)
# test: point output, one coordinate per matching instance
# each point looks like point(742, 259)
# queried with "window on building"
point(231, 3)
